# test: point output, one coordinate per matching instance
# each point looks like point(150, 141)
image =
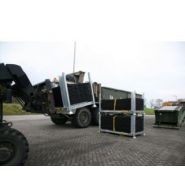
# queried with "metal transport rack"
point(69, 107)
point(132, 120)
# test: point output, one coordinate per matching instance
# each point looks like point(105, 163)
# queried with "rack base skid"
point(122, 133)
point(166, 126)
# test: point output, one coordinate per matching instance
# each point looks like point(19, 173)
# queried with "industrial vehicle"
point(69, 98)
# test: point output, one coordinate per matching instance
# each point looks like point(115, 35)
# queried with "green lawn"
point(16, 109)
point(13, 109)
point(149, 111)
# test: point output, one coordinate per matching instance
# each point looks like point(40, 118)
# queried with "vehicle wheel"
point(82, 118)
point(59, 120)
point(95, 116)
point(13, 147)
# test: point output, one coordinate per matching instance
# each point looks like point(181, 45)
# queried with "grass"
point(13, 109)
point(149, 111)
point(16, 109)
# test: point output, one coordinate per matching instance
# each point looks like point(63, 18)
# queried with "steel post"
point(90, 81)
point(65, 93)
point(133, 116)
point(1, 109)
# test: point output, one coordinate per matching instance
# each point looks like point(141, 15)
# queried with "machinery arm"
point(17, 84)
point(21, 87)
point(12, 77)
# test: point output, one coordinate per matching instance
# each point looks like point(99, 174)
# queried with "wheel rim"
point(84, 118)
point(7, 152)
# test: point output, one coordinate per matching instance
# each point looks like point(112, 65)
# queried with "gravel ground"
point(67, 146)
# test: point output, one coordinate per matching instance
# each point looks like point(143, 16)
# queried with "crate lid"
point(170, 108)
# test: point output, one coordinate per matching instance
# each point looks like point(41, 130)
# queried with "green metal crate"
point(170, 117)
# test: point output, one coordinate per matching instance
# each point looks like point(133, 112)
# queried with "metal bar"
point(133, 116)
point(143, 97)
point(115, 132)
point(121, 133)
point(1, 109)
point(166, 126)
point(65, 93)
point(74, 60)
point(90, 81)
point(122, 111)
point(79, 105)
point(100, 111)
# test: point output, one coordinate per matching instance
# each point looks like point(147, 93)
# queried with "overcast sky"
point(156, 69)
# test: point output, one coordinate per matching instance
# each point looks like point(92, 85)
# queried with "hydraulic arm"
point(15, 83)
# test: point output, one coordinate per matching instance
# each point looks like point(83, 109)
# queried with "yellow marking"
point(125, 134)
point(114, 123)
point(58, 110)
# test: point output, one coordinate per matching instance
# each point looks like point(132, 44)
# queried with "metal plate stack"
point(121, 104)
point(57, 97)
point(79, 93)
point(121, 123)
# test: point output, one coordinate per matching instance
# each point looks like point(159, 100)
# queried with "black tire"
point(95, 116)
point(58, 119)
point(82, 118)
point(14, 148)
